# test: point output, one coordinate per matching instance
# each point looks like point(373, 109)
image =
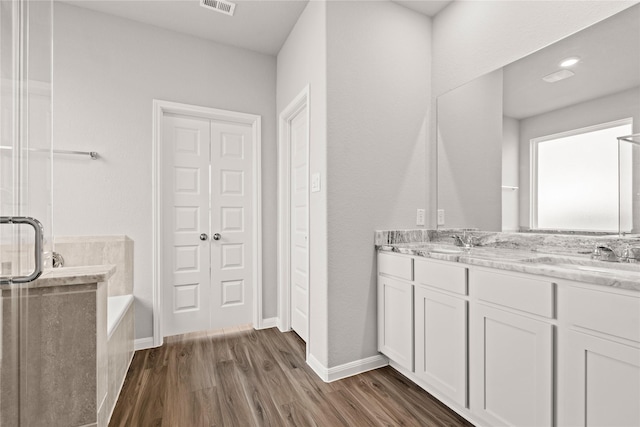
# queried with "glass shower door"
point(25, 192)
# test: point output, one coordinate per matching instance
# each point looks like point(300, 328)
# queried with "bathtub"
point(116, 309)
point(119, 348)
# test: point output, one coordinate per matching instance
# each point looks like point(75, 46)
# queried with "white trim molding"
point(348, 369)
point(144, 343)
point(300, 102)
point(160, 108)
point(270, 322)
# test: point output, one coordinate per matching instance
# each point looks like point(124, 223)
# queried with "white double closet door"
point(207, 224)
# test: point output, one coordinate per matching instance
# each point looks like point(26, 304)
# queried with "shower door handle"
point(37, 247)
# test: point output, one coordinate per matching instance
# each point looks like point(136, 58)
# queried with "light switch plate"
point(420, 217)
point(440, 216)
point(315, 182)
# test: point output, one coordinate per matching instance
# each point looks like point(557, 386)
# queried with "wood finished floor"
point(241, 377)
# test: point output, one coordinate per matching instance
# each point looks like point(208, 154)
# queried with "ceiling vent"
point(558, 75)
point(221, 6)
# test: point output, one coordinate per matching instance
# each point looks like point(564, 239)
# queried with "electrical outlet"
point(440, 216)
point(420, 217)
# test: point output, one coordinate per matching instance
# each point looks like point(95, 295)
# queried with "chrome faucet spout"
point(457, 240)
point(631, 254)
point(466, 242)
point(604, 253)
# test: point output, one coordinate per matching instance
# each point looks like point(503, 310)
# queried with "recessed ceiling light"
point(558, 75)
point(569, 62)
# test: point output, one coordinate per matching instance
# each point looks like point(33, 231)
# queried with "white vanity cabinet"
point(599, 358)
point(395, 308)
point(511, 348)
point(441, 327)
point(502, 347)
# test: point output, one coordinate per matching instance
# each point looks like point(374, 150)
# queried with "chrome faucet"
point(466, 242)
point(630, 254)
point(604, 253)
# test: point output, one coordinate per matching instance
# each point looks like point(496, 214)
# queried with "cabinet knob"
point(204, 236)
point(217, 236)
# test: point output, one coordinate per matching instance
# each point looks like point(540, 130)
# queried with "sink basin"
point(439, 249)
point(613, 268)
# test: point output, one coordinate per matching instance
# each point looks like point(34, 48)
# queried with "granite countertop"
point(73, 276)
point(578, 268)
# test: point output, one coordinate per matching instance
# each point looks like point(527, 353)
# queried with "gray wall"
point(369, 112)
point(470, 154)
point(378, 68)
point(107, 71)
point(301, 62)
point(510, 173)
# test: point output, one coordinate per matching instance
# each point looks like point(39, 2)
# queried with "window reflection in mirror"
point(575, 181)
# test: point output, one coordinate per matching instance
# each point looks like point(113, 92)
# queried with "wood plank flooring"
point(242, 377)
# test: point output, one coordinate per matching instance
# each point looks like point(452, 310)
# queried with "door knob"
point(217, 236)
point(204, 236)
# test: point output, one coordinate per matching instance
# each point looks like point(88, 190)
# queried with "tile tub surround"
point(65, 350)
point(495, 250)
point(100, 250)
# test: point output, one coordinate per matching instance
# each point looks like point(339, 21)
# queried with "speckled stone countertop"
point(73, 276)
point(570, 265)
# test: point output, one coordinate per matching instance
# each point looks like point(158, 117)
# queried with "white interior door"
point(207, 224)
point(299, 233)
point(231, 222)
point(187, 302)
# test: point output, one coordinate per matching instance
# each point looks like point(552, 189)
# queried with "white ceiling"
point(258, 25)
point(610, 53)
point(426, 7)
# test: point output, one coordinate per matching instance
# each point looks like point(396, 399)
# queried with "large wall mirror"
point(534, 145)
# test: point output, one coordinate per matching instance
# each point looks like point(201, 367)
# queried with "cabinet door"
point(395, 320)
point(600, 382)
point(441, 343)
point(511, 371)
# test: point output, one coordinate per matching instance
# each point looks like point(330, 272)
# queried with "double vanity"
point(512, 332)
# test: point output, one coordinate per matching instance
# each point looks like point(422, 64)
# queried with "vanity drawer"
point(606, 312)
point(536, 296)
point(395, 265)
point(442, 275)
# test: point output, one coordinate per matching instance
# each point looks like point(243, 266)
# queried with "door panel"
point(441, 342)
point(511, 368)
point(299, 225)
point(185, 216)
point(600, 382)
point(231, 218)
point(207, 191)
point(395, 320)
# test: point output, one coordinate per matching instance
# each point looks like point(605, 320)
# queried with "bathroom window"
point(581, 179)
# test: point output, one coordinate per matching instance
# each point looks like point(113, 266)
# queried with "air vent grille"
point(221, 6)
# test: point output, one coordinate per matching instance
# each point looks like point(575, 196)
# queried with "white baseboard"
point(348, 369)
point(454, 406)
point(143, 343)
point(271, 322)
